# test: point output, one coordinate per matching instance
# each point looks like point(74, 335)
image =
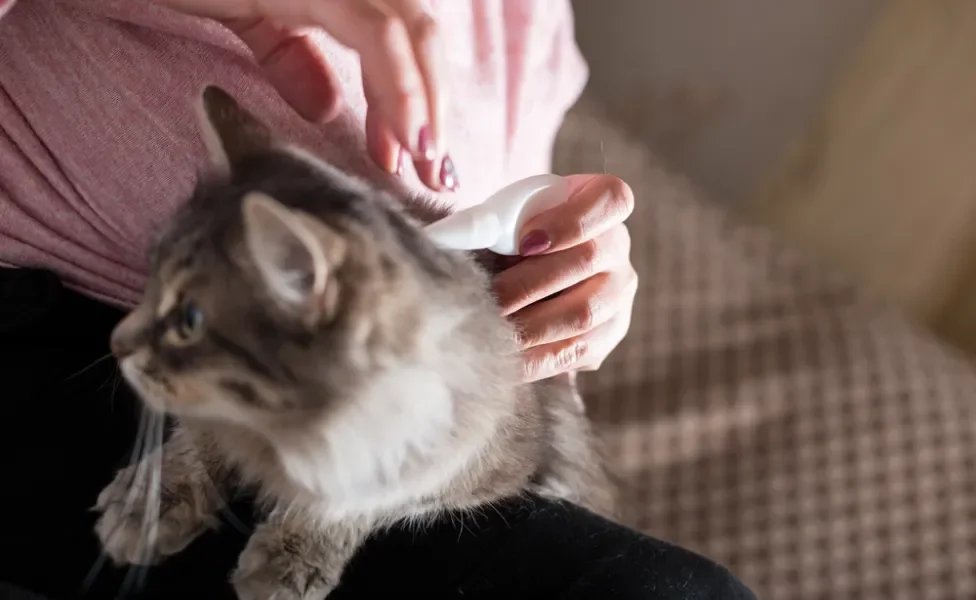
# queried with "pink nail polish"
point(425, 143)
point(449, 178)
point(536, 242)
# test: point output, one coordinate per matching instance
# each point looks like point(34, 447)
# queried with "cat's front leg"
point(291, 556)
point(156, 507)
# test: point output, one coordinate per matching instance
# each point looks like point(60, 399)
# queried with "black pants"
point(67, 422)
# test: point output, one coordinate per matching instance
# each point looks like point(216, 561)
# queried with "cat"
point(312, 343)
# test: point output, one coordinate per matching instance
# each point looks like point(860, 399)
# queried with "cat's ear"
point(289, 255)
point(230, 132)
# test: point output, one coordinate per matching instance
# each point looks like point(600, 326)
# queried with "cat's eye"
point(190, 323)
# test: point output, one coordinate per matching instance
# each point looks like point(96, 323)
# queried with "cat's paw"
point(142, 525)
point(272, 568)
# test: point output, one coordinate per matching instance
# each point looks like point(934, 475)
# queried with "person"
point(98, 143)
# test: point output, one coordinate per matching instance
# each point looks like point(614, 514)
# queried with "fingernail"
point(535, 242)
point(399, 162)
point(425, 143)
point(449, 178)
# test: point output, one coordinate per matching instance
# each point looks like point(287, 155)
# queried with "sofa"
point(764, 413)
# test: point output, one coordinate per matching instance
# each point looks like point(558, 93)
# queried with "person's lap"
point(68, 422)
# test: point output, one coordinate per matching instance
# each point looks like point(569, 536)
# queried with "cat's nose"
point(125, 336)
point(120, 345)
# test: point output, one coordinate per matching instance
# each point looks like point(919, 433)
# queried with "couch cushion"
point(761, 413)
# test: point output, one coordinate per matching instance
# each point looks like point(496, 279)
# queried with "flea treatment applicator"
point(496, 223)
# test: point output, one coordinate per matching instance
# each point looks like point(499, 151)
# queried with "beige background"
point(763, 413)
point(719, 88)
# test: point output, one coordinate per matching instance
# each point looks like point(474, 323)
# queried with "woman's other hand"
point(572, 293)
point(399, 49)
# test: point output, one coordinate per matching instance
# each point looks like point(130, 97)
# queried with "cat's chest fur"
point(391, 449)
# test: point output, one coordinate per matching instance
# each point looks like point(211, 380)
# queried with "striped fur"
point(313, 343)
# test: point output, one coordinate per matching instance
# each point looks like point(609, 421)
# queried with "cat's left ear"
point(289, 251)
point(230, 132)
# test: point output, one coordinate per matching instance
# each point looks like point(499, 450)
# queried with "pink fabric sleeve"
point(99, 141)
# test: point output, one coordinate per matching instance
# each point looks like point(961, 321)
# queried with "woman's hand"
point(579, 250)
point(399, 51)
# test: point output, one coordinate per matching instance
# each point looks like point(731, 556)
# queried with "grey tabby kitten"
point(314, 344)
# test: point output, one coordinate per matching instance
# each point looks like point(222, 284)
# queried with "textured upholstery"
point(762, 414)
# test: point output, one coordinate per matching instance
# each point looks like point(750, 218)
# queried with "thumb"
point(294, 65)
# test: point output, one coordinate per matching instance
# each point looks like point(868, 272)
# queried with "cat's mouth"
point(152, 392)
point(190, 397)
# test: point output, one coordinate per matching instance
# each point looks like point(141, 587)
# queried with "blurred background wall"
point(847, 127)
point(718, 88)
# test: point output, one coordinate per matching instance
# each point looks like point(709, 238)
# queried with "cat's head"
point(286, 289)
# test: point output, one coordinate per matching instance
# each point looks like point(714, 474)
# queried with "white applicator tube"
point(496, 223)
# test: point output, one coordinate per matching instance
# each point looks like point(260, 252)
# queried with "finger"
point(294, 66)
point(563, 356)
point(613, 334)
point(538, 277)
point(382, 146)
point(581, 308)
point(390, 73)
point(598, 205)
point(425, 41)
point(387, 152)
point(436, 169)
point(427, 173)
point(438, 175)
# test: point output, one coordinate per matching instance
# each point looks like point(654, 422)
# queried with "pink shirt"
point(99, 140)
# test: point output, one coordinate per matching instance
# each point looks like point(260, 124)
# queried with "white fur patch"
point(388, 448)
point(133, 374)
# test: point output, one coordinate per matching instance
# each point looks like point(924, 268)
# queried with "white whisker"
point(116, 380)
point(139, 448)
point(140, 454)
point(153, 499)
point(90, 365)
point(233, 519)
point(148, 475)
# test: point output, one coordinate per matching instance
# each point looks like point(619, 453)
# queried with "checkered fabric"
point(763, 415)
